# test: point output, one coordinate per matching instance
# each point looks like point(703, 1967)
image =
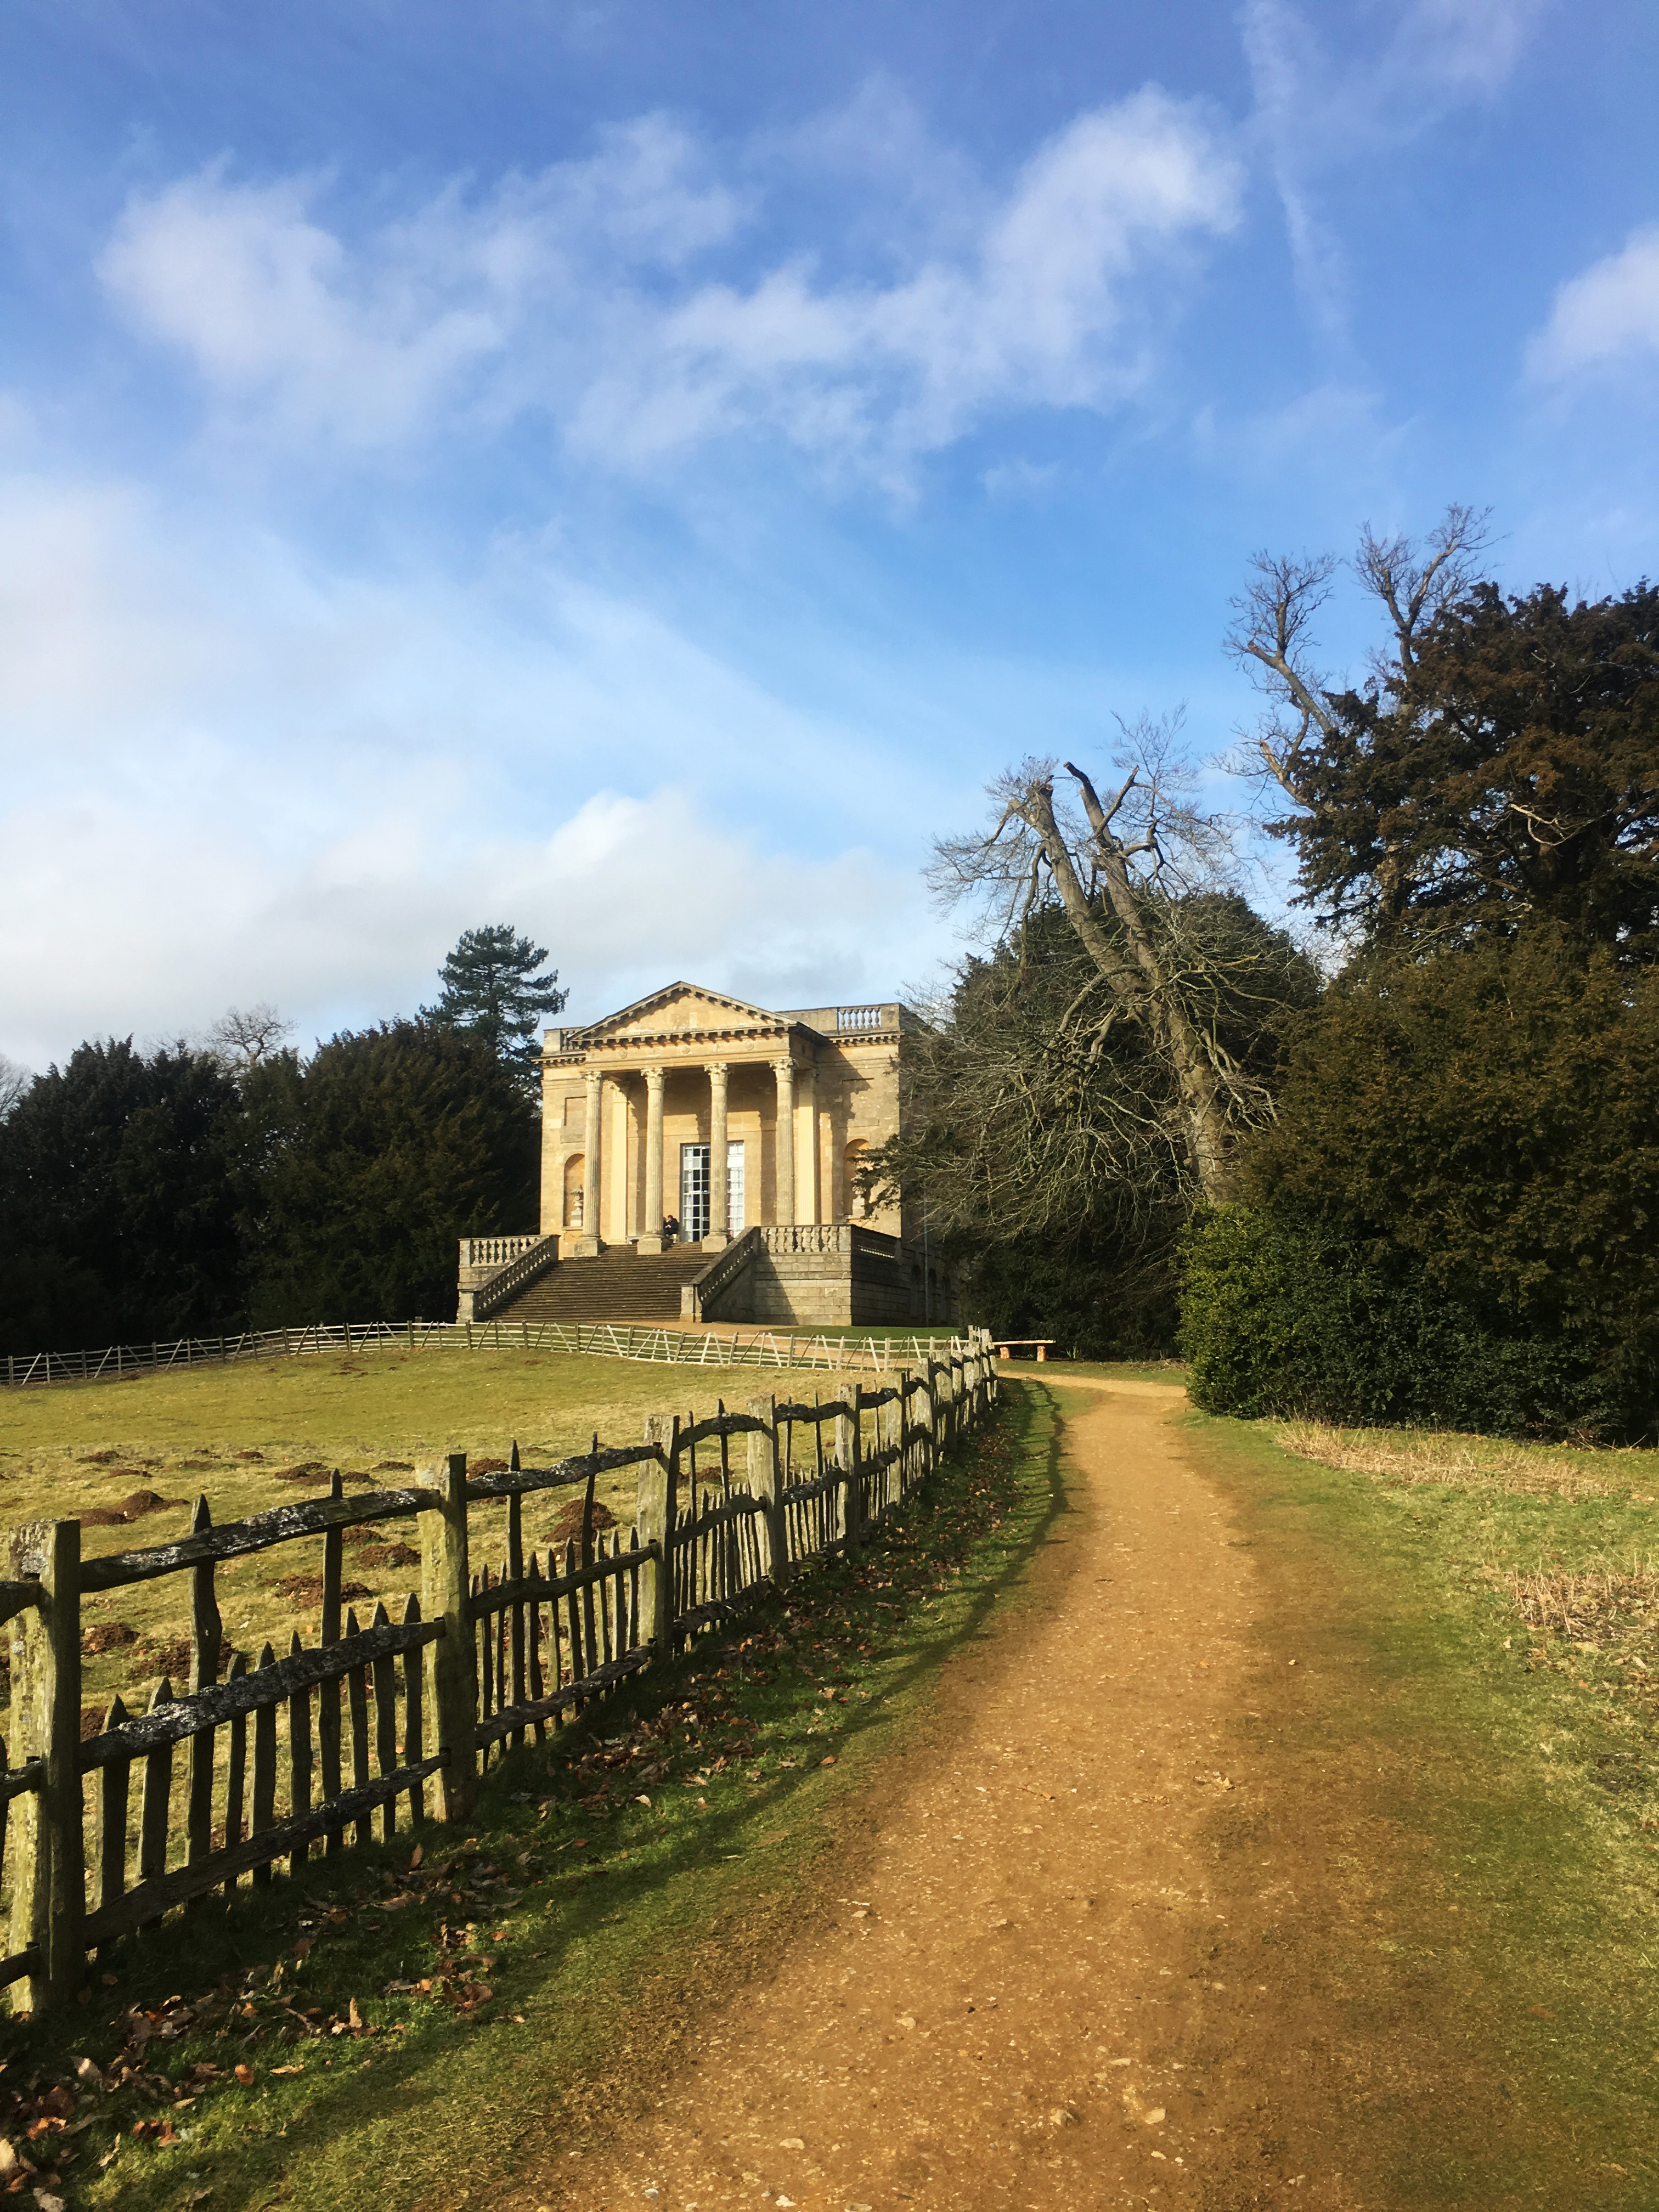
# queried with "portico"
point(723, 1114)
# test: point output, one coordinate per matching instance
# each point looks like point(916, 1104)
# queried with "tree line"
point(198, 1188)
point(1405, 1168)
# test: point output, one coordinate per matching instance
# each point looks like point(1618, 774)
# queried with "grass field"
point(1476, 1624)
point(386, 2032)
point(264, 1434)
point(1482, 1622)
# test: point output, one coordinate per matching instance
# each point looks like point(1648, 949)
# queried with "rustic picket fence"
point(679, 1348)
point(480, 1661)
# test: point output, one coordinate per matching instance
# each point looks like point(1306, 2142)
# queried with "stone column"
point(720, 1225)
point(650, 1235)
point(808, 1209)
point(593, 1218)
point(784, 1209)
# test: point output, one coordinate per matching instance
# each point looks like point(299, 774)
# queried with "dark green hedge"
point(1289, 1319)
point(1455, 1217)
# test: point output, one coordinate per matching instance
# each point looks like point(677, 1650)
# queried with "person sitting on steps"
point(670, 1230)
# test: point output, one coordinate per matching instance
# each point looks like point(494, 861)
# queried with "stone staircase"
point(621, 1284)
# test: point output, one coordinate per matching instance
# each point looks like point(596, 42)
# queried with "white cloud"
point(1607, 317)
point(279, 315)
point(232, 774)
point(584, 292)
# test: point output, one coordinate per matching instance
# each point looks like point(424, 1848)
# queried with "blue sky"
point(637, 471)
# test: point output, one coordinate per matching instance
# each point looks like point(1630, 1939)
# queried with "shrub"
point(1453, 1218)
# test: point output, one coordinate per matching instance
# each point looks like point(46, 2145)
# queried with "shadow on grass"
point(600, 1973)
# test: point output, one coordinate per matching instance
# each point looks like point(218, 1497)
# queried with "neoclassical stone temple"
point(725, 1115)
point(701, 1159)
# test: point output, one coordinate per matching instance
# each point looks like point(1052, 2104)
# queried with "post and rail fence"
point(677, 1346)
point(482, 1658)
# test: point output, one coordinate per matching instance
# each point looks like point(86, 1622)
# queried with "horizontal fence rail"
point(338, 1741)
point(602, 1340)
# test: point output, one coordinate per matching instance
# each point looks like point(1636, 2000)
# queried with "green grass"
point(1501, 1901)
point(615, 1920)
point(70, 1447)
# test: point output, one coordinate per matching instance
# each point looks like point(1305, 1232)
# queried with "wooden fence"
point(605, 1340)
point(485, 1657)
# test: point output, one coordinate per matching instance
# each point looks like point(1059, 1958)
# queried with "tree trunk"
point(1143, 986)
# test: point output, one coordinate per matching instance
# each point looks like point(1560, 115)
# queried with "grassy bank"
point(403, 2028)
point(1473, 1720)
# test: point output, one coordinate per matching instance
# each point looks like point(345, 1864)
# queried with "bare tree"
point(1132, 871)
point(1274, 615)
point(15, 1081)
point(244, 1036)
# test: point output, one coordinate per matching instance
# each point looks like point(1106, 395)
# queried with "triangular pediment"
point(683, 1009)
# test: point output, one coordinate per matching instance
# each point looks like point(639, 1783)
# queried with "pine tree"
point(492, 989)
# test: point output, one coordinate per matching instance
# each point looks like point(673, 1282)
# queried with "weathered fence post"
point(653, 1516)
point(849, 1458)
point(764, 1485)
point(206, 1632)
point(46, 1863)
point(444, 1588)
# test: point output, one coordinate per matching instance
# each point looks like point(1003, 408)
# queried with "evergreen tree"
point(492, 989)
point(118, 1206)
point(363, 1165)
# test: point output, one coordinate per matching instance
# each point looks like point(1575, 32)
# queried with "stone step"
point(618, 1286)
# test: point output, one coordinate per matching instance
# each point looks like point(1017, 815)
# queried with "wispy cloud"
point(1314, 114)
point(587, 292)
point(1606, 318)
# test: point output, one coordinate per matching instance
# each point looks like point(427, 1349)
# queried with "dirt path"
point(1030, 1994)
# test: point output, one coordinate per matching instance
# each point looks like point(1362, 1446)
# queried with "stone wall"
point(856, 1279)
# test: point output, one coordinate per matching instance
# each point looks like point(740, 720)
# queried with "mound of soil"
point(308, 1590)
point(132, 1508)
point(247, 1454)
point(172, 1658)
point(389, 1555)
point(395, 1467)
point(315, 1476)
point(567, 1527)
point(487, 1467)
point(108, 1636)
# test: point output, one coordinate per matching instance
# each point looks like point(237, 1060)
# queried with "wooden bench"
point(1005, 1347)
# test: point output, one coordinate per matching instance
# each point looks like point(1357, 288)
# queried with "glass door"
point(734, 1219)
point(694, 1193)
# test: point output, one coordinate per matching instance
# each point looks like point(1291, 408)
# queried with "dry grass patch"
point(1471, 1462)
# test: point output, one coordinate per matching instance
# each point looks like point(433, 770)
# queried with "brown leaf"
point(354, 2018)
point(305, 1947)
point(827, 1762)
point(414, 1858)
point(245, 2075)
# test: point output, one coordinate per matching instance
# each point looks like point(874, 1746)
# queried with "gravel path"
point(1031, 1993)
